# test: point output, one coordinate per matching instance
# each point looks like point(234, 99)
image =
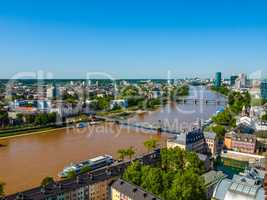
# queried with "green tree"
point(47, 180)
point(150, 144)
point(3, 118)
point(103, 103)
point(237, 101)
point(85, 169)
point(130, 152)
point(71, 175)
point(30, 119)
point(224, 118)
point(133, 173)
point(20, 117)
point(182, 175)
point(130, 91)
point(41, 119)
point(152, 180)
point(122, 154)
point(219, 130)
point(193, 163)
point(2, 189)
point(52, 117)
point(173, 159)
point(187, 186)
point(264, 117)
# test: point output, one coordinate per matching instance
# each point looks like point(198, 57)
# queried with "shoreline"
point(31, 133)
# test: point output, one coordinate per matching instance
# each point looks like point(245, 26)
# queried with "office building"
point(233, 79)
point(241, 81)
point(218, 79)
point(263, 88)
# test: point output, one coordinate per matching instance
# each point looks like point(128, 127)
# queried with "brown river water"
point(26, 160)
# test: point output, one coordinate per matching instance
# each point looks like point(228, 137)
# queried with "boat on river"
point(92, 164)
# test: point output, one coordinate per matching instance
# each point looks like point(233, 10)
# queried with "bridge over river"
point(202, 101)
point(157, 127)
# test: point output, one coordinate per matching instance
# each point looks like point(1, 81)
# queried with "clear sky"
point(133, 38)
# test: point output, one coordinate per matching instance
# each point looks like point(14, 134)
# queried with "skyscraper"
point(233, 79)
point(218, 79)
point(264, 89)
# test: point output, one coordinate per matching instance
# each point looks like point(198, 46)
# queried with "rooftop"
point(209, 135)
point(190, 137)
point(132, 191)
point(213, 177)
point(244, 186)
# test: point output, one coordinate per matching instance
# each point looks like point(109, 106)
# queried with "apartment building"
point(122, 190)
point(240, 142)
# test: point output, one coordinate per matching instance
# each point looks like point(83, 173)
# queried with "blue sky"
point(133, 39)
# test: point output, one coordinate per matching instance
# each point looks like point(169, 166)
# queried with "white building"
point(246, 186)
point(122, 103)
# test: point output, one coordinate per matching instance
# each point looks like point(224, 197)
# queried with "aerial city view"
point(133, 100)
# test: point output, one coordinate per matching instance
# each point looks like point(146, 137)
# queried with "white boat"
point(94, 163)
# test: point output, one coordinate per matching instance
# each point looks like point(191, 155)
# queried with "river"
point(26, 160)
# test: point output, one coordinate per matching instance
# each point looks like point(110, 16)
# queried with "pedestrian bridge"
point(202, 101)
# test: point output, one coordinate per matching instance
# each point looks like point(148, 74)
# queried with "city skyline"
point(133, 40)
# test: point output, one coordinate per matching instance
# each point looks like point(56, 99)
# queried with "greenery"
point(71, 99)
point(123, 153)
point(134, 101)
point(256, 102)
point(28, 130)
point(2, 189)
point(152, 103)
point(219, 130)
point(47, 180)
point(176, 92)
point(176, 176)
point(264, 117)
point(129, 91)
point(261, 134)
point(237, 101)
point(224, 118)
point(85, 169)
point(223, 90)
point(71, 174)
point(150, 144)
point(45, 118)
point(3, 118)
point(103, 102)
point(24, 120)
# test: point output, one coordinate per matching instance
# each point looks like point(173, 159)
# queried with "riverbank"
point(59, 148)
point(29, 132)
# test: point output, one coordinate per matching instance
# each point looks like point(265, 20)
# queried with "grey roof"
point(212, 177)
point(209, 135)
point(190, 137)
point(240, 187)
point(132, 191)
